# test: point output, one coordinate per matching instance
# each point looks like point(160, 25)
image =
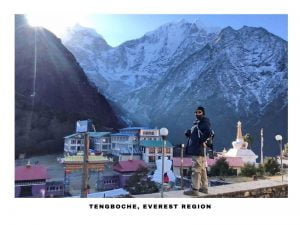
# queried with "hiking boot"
point(203, 190)
point(191, 192)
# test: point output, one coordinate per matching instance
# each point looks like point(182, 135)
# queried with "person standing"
point(196, 147)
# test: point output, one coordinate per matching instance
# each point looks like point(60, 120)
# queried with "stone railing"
point(251, 189)
point(256, 189)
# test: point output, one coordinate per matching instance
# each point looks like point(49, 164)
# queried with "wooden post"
point(181, 166)
point(84, 187)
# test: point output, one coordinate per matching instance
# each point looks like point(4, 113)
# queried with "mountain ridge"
point(236, 70)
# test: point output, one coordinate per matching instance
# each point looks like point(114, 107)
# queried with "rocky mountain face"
point(160, 78)
point(52, 92)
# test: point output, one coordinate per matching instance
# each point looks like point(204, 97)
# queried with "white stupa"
point(167, 169)
point(240, 148)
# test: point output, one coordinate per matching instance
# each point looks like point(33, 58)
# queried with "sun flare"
point(54, 22)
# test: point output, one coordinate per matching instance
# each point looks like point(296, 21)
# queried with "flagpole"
point(261, 146)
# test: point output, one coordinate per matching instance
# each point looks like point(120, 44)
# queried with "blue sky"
point(119, 28)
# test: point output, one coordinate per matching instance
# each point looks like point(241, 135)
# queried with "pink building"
point(30, 181)
point(234, 162)
point(127, 168)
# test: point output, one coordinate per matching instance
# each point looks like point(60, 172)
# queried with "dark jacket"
point(200, 132)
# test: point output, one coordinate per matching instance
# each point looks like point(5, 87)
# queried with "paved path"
point(243, 186)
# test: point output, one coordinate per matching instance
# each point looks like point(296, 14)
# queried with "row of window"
point(92, 140)
point(157, 150)
point(74, 141)
point(19, 183)
point(55, 188)
point(115, 146)
point(120, 138)
point(113, 181)
point(149, 133)
point(150, 138)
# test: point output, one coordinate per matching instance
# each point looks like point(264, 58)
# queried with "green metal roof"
point(91, 134)
point(69, 136)
point(151, 143)
point(98, 134)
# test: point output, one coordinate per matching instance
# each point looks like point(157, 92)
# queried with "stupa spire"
point(239, 135)
point(240, 147)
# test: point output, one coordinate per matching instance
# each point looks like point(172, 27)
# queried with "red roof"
point(129, 165)
point(232, 161)
point(32, 172)
point(187, 162)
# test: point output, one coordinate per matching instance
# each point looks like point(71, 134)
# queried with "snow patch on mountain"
point(185, 61)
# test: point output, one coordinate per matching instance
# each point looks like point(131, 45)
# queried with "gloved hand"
point(187, 133)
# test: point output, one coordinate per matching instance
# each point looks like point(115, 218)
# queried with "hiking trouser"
point(199, 176)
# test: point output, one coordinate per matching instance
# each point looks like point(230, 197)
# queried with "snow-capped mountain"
point(160, 78)
point(137, 63)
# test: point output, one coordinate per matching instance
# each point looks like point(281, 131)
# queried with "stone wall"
point(279, 191)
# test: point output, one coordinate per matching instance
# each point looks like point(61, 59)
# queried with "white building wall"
point(156, 154)
point(128, 157)
point(72, 146)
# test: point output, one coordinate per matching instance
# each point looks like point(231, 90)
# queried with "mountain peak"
point(228, 29)
point(85, 36)
point(77, 28)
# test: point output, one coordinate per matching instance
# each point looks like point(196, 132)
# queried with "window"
point(151, 159)
point(152, 150)
point(78, 141)
point(184, 172)
point(148, 133)
point(52, 188)
point(168, 150)
point(159, 150)
point(73, 141)
point(26, 191)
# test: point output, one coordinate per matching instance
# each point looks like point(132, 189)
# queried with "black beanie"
point(202, 109)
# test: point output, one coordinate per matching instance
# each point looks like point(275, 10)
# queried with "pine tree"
point(248, 170)
point(140, 183)
point(221, 168)
point(271, 166)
